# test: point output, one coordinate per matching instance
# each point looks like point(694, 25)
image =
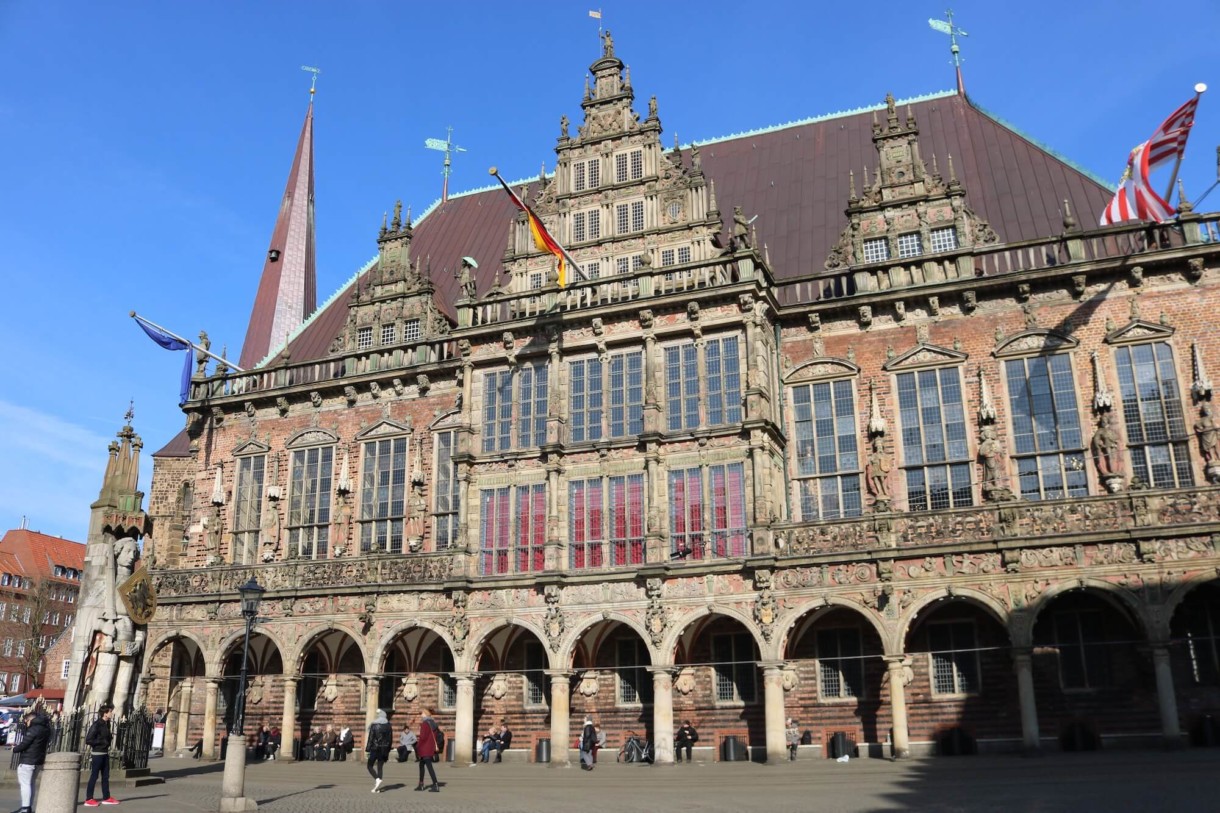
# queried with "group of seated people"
point(495, 740)
point(328, 745)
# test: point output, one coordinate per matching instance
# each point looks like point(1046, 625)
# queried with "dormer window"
point(909, 245)
point(364, 338)
point(944, 239)
point(876, 250)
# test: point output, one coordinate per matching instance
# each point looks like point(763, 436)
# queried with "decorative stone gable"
point(392, 307)
point(618, 201)
point(904, 212)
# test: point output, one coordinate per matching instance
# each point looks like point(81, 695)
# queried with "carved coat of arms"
point(139, 597)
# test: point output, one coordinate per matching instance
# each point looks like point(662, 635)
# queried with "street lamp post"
point(233, 797)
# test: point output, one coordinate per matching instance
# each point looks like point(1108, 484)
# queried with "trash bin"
point(732, 749)
point(449, 750)
point(839, 745)
point(542, 750)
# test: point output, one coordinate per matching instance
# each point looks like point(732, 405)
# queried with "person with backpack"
point(377, 745)
point(98, 739)
point(33, 751)
point(430, 742)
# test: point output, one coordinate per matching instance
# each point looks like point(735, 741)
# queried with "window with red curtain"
point(495, 530)
point(627, 520)
point(531, 527)
point(728, 514)
point(585, 523)
point(686, 513)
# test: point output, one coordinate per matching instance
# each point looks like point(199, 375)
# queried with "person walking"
point(98, 739)
point(588, 740)
point(33, 751)
point(377, 745)
point(426, 750)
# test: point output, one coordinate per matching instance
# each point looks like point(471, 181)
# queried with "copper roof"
point(795, 178)
point(287, 289)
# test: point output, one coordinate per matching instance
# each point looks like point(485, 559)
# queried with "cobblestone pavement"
point(1144, 781)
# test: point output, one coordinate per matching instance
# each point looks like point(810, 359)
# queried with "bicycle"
point(635, 749)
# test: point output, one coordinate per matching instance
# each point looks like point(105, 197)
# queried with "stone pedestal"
point(233, 797)
point(59, 786)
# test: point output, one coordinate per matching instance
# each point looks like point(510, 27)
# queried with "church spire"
point(287, 290)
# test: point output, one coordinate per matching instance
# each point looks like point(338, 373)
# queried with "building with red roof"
point(855, 421)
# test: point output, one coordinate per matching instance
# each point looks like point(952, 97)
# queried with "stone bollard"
point(59, 784)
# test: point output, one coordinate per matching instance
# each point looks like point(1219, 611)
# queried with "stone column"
point(663, 714)
point(171, 721)
point(1031, 738)
point(184, 713)
point(210, 688)
point(773, 702)
point(896, 673)
point(372, 683)
point(288, 723)
point(463, 721)
point(560, 713)
point(1166, 698)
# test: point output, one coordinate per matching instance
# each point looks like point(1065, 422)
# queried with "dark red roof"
point(287, 290)
point(37, 553)
point(795, 179)
point(179, 446)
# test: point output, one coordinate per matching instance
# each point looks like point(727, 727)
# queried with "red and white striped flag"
point(1136, 199)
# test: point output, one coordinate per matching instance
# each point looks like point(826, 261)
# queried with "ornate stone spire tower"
point(114, 606)
point(287, 290)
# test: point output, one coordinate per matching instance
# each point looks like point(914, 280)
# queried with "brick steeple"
point(287, 290)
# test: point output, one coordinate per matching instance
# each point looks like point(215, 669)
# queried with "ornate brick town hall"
point(854, 420)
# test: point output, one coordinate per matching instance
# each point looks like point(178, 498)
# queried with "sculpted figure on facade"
point(1209, 442)
point(878, 469)
point(1107, 452)
point(991, 455)
point(741, 229)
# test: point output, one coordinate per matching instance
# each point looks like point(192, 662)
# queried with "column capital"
point(559, 674)
point(292, 678)
point(768, 665)
point(893, 662)
point(663, 670)
point(213, 682)
point(464, 677)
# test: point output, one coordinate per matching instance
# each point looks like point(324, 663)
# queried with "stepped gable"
point(795, 178)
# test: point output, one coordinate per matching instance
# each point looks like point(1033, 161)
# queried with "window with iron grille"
point(622, 218)
point(876, 249)
point(683, 254)
point(383, 495)
point(621, 169)
point(248, 508)
point(446, 492)
point(1084, 656)
point(708, 512)
point(606, 511)
point(591, 383)
point(410, 331)
point(512, 529)
point(535, 674)
point(364, 338)
point(719, 386)
point(579, 178)
point(388, 334)
point(637, 164)
point(734, 667)
point(529, 382)
point(955, 657)
point(1152, 411)
point(634, 682)
point(840, 665)
point(535, 281)
point(586, 225)
point(909, 245)
point(622, 265)
point(309, 502)
point(1047, 440)
point(943, 239)
point(448, 683)
point(827, 452)
point(935, 454)
point(592, 270)
point(668, 257)
point(63, 673)
point(1202, 623)
point(637, 216)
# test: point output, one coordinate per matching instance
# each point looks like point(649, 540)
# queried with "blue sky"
point(144, 147)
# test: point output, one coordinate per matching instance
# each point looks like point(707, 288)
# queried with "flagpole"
point(198, 349)
point(521, 205)
point(1173, 176)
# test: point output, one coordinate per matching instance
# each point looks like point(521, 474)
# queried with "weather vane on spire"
point(448, 148)
point(954, 32)
point(313, 82)
point(131, 411)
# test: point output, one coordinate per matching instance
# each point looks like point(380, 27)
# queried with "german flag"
point(543, 240)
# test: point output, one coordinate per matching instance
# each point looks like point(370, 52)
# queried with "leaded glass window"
point(827, 450)
point(446, 492)
point(248, 508)
point(840, 665)
point(309, 502)
point(1048, 443)
point(1152, 411)
point(936, 458)
point(955, 657)
point(734, 667)
point(383, 494)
